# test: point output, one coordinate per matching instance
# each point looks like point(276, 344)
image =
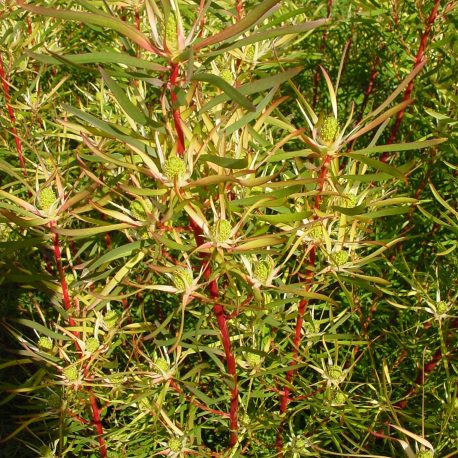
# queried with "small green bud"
point(348, 201)
point(441, 308)
point(316, 232)
point(301, 446)
point(262, 271)
point(227, 76)
point(182, 279)
point(46, 452)
point(340, 258)
point(335, 372)
point(45, 343)
point(46, 198)
point(171, 34)
point(174, 168)
point(54, 401)
point(92, 344)
point(175, 445)
point(311, 328)
point(110, 319)
point(137, 208)
point(162, 365)
point(245, 420)
point(253, 359)
point(425, 454)
point(338, 398)
point(71, 373)
point(221, 230)
point(329, 130)
point(249, 52)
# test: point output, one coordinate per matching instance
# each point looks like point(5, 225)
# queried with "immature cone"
point(92, 345)
point(110, 319)
point(162, 364)
point(71, 373)
point(227, 76)
point(335, 372)
point(171, 35)
point(45, 343)
point(425, 454)
point(262, 271)
point(221, 230)
point(329, 130)
point(442, 308)
point(338, 398)
point(182, 279)
point(46, 198)
point(175, 445)
point(174, 168)
point(340, 258)
point(253, 359)
point(138, 209)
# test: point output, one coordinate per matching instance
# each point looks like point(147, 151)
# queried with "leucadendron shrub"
point(199, 238)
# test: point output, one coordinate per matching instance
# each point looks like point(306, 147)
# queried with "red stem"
point(17, 140)
point(240, 11)
point(68, 303)
point(221, 319)
point(409, 89)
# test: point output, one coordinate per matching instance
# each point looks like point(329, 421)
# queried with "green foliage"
point(214, 236)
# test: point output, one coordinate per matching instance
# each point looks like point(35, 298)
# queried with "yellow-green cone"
point(329, 130)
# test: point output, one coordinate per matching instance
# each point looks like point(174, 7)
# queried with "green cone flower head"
point(335, 373)
point(301, 446)
point(263, 270)
point(348, 201)
point(317, 232)
point(46, 452)
point(441, 308)
point(249, 53)
point(174, 168)
point(425, 454)
point(253, 359)
point(171, 34)
point(92, 344)
point(162, 365)
point(227, 76)
point(337, 398)
point(110, 319)
point(54, 401)
point(221, 230)
point(175, 445)
point(138, 211)
point(46, 198)
point(245, 420)
point(311, 328)
point(329, 130)
point(45, 343)
point(340, 258)
point(71, 373)
point(182, 279)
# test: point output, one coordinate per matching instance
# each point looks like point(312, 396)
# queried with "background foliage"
point(197, 259)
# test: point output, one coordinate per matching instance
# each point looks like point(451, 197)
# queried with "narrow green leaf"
point(285, 217)
point(99, 57)
point(239, 27)
point(396, 147)
point(225, 162)
point(229, 90)
point(125, 103)
point(378, 165)
point(103, 20)
point(41, 329)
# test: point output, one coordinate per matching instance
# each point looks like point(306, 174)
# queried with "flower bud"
point(182, 279)
point(329, 130)
point(171, 35)
point(92, 345)
point(340, 258)
point(227, 76)
point(335, 372)
point(174, 168)
point(175, 445)
point(71, 373)
point(139, 209)
point(262, 271)
point(46, 198)
point(221, 230)
point(45, 343)
point(162, 365)
point(424, 454)
point(441, 307)
point(110, 319)
point(253, 359)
